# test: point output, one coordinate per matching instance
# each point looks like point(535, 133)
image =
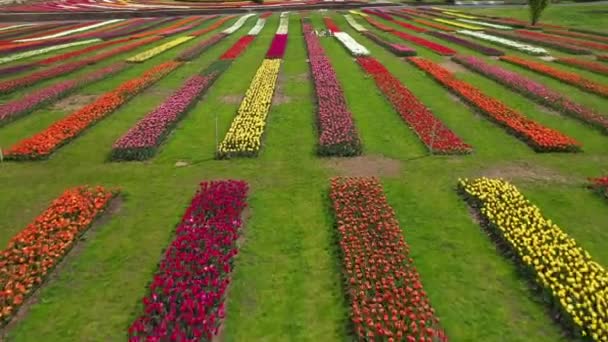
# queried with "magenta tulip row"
point(277, 47)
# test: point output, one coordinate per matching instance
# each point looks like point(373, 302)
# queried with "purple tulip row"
point(277, 47)
point(142, 140)
point(337, 133)
point(535, 91)
point(8, 86)
point(486, 50)
point(196, 50)
point(186, 299)
point(13, 69)
point(20, 107)
point(396, 49)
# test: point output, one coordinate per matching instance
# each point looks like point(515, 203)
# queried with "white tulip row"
point(68, 32)
point(238, 24)
point(31, 53)
point(351, 44)
point(14, 26)
point(354, 24)
point(481, 23)
point(259, 25)
point(283, 23)
point(531, 49)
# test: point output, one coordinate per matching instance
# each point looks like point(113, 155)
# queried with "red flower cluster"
point(385, 293)
point(378, 24)
point(600, 184)
point(537, 136)
point(584, 64)
point(603, 58)
point(438, 48)
point(36, 250)
point(409, 26)
point(331, 25)
point(11, 85)
point(42, 144)
point(380, 14)
point(396, 49)
point(161, 31)
point(433, 133)
point(202, 46)
point(573, 41)
point(565, 76)
point(577, 35)
point(121, 49)
point(186, 300)
point(211, 27)
point(75, 53)
point(557, 45)
point(238, 47)
point(277, 47)
point(337, 133)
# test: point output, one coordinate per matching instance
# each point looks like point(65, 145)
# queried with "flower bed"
point(211, 27)
point(331, 25)
point(157, 50)
point(481, 23)
point(380, 14)
point(600, 184)
point(584, 36)
point(32, 53)
point(595, 33)
point(277, 46)
point(535, 91)
point(560, 46)
point(197, 49)
point(351, 44)
point(337, 133)
point(565, 76)
point(72, 31)
point(603, 58)
point(283, 23)
point(20, 107)
point(410, 26)
point(537, 136)
point(396, 49)
point(14, 84)
point(486, 50)
point(565, 40)
point(533, 50)
point(437, 48)
point(133, 29)
point(437, 137)
point(42, 144)
point(101, 56)
point(238, 48)
point(354, 24)
point(259, 25)
point(65, 56)
point(378, 24)
point(459, 24)
point(584, 64)
point(187, 293)
point(384, 291)
point(573, 283)
point(434, 25)
point(161, 31)
point(35, 251)
point(238, 24)
point(14, 69)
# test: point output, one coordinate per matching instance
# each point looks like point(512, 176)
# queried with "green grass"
point(287, 282)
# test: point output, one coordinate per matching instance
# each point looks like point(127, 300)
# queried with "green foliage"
point(536, 8)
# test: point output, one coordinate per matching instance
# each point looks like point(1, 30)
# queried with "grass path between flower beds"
point(286, 284)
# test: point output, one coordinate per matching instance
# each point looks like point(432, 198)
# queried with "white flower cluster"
point(31, 53)
point(238, 24)
point(259, 25)
point(283, 24)
point(351, 44)
point(68, 32)
point(482, 23)
point(354, 24)
point(533, 50)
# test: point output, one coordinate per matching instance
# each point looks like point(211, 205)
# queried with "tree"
point(536, 8)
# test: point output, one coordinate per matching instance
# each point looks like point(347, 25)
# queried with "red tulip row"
point(385, 294)
point(187, 293)
point(238, 48)
point(584, 64)
point(42, 144)
point(388, 17)
point(337, 133)
point(380, 26)
point(75, 53)
point(572, 41)
point(577, 35)
point(330, 24)
point(603, 58)
point(562, 75)
point(537, 136)
point(600, 184)
point(435, 47)
point(551, 43)
point(437, 137)
point(35, 251)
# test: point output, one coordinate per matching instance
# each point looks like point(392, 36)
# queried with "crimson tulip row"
point(584, 36)
point(535, 91)
point(36, 250)
point(537, 136)
point(486, 50)
point(565, 40)
point(187, 293)
point(562, 75)
point(44, 143)
point(551, 43)
point(337, 133)
point(385, 294)
point(584, 64)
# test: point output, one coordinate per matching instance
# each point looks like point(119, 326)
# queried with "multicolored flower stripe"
point(486, 50)
point(163, 30)
point(560, 46)
point(388, 17)
point(68, 55)
point(238, 24)
point(459, 24)
point(72, 31)
point(562, 75)
point(571, 41)
point(603, 58)
point(584, 36)
point(535, 91)
point(145, 55)
point(396, 49)
point(42, 144)
point(35, 251)
point(351, 44)
point(380, 26)
point(14, 84)
point(337, 133)
point(20, 107)
point(433, 25)
point(481, 23)
point(584, 64)
point(32, 53)
point(187, 293)
point(537, 136)
point(134, 28)
point(576, 285)
point(330, 24)
point(533, 50)
point(221, 21)
point(600, 184)
point(385, 294)
point(354, 24)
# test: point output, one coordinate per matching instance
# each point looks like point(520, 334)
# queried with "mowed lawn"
point(287, 284)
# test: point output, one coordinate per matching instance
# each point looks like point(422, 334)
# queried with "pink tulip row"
point(186, 297)
point(396, 49)
point(337, 133)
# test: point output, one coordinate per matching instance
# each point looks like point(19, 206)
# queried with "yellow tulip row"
point(143, 56)
point(565, 270)
point(459, 24)
point(245, 134)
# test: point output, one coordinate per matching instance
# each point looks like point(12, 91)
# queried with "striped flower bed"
point(533, 50)
point(32, 53)
point(196, 50)
point(434, 25)
point(157, 50)
point(584, 64)
point(584, 36)
point(337, 133)
point(535, 91)
point(133, 29)
point(65, 56)
point(564, 76)
point(351, 44)
point(375, 256)
point(217, 24)
point(15, 69)
point(459, 24)
point(238, 24)
point(486, 50)
point(481, 23)
point(600, 184)
point(42, 144)
point(14, 84)
point(354, 24)
point(35, 251)
point(565, 40)
point(380, 26)
point(396, 49)
point(573, 283)
point(187, 293)
point(437, 48)
point(537, 136)
point(72, 31)
point(560, 46)
point(161, 31)
point(603, 58)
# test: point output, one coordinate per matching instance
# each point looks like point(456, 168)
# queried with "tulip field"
point(391, 173)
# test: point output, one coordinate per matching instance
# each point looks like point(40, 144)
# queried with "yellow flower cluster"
point(459, 24)
point(144, 56)
point(563, 268)
point(245, 134)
